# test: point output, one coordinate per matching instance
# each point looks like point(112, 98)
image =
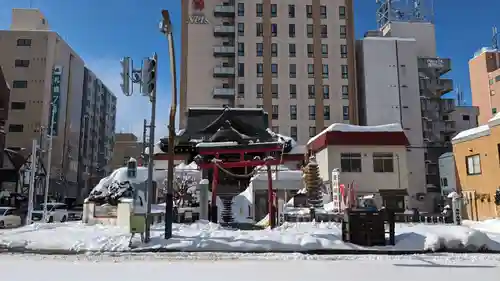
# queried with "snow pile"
point(489, 226)
point(208, 237)
point(341, 127)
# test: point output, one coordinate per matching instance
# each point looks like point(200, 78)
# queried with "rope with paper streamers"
point(251, 174)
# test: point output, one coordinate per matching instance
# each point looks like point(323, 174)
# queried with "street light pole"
point(49, 159)
point(166, 28)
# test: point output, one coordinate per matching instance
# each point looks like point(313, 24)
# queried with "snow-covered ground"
point(147, 268)
point(208, 237)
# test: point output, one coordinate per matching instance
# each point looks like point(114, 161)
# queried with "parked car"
point(9, 217)
point(75, 213)
point(56, 212)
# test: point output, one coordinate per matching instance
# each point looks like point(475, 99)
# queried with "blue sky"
point(103, 31)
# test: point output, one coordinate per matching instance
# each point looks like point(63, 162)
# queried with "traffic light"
point(125, 74)
point(148, 76)
point(497, 197)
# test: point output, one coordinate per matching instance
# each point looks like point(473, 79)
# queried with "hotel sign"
point(56, 99)
point(198, 17)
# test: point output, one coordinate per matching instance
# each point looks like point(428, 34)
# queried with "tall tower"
point(404, 11)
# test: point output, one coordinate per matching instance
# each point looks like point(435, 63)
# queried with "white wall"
point(390, 94)
point(423, 32)
point(447, 171)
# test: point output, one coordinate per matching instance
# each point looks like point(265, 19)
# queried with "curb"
point(53, 252)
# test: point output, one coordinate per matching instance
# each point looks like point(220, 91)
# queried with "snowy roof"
point(340, 127)
point(156, 149)
point(477, 132)
point(121, 175)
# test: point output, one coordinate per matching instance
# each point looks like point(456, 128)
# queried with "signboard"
point(56, 101)
point(197, 16)
point(435, 63)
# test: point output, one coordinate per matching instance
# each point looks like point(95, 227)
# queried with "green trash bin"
point(137, 223)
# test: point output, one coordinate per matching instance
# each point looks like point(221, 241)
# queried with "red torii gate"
point(216, 164)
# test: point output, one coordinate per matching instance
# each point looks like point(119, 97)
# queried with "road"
point(211, 267)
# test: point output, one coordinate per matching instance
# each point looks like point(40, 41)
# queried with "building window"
point(274, 10)
point(16, 128)
point(350, 162)
point(260, 69)
point(325, 71)
point(259, 10)
point(16, 105)
point(309, 11)
point(383, 162)
point(241, 49)
point(310, 51)
point(473, 163)
point(324, 50)
point(274, 91)
point(312, 112)
point(274, 30)
point(274, 69)
point(275, 110)
point(260, 49)
point(293, 91)
point(292, 50)
point(241, 29)
point(345, 112)
point(19, 84)
point(291, 30)
point(322, 12)
point(24, 42)
point(324, 31)
point(345, 91)
point(344, 71)
point(444, 182)
point(291, 11)
point(274, 50)
point(260, 90)
point(311, 91)
point(310, 70)
point(343, 51)
point(241, 69)
point(293, 132)
point(241, 90)
point(275, 129)
point(293, 70)
point(259, 29)
point(342, 12)
point(326, 112)
point(326, 92)
point(22, 63)
point(293, 112)
point(241, 9)
point(310, 31)
point(312, 131)
point(343, 32)
point(465, 117)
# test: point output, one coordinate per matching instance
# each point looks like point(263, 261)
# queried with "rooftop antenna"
point(494, 39)
point(459, 96)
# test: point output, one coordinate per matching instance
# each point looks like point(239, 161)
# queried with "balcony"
point(225, 30)
point(447, 105)
point(224, 10)
point(223, 92)
point(224, 51)
point(449, 127)
point(436, 86)
point(434, 66)
point(224, 71)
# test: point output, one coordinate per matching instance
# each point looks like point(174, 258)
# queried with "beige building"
point(293, 58)
point(45, 73)
point(126, 146)
point(484, 71)
point(374, 158)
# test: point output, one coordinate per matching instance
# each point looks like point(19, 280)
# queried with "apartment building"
point(126, 146)
point(465, 117)
point(293, 58)
point(97, 133)
point(387, 82)
point(45, 74)
point(484, 72)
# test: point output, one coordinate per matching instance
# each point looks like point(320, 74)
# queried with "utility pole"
point(33, 171)
point(146, 77)
point(144, 143)
point(166, 28)
point(49, 155)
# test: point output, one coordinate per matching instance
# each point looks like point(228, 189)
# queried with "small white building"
point(373, 158)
